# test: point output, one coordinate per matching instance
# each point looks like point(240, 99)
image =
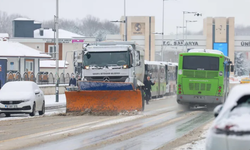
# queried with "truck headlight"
point(125, 66)
point(86, 67)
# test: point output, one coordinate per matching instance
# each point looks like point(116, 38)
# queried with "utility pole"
point(162, 37)
point(57, 53)
point(125, 22)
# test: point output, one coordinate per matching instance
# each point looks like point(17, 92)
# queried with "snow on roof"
point(160, 62)
point(153, 62)
point(205, 51)
point(52, 64)
point(49, 33)
point(15, 49)
point(4, 35)
point(24, 19)
point(36, 22)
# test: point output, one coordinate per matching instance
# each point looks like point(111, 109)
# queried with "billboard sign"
point(223, 47)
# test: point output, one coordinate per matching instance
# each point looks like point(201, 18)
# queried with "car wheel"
point(7, 115)
point(43, 109)
point(33, 110)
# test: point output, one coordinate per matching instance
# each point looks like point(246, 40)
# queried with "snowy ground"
point(50, 100)
point(198, 144)
point(236, 79)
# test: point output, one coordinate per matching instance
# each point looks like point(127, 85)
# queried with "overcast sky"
point(42, 10)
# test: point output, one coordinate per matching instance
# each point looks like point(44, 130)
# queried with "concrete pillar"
point(146, 26)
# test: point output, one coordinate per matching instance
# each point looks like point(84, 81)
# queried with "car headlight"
point(26, 100)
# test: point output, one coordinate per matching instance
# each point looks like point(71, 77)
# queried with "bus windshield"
point(201, 63)
point(102, 59)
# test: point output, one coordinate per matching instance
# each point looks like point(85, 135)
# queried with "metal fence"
point(40, 78)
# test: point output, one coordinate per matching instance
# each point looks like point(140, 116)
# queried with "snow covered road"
point(162, 119)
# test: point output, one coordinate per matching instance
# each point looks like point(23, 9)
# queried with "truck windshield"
point(102, 59)
point(201, 63)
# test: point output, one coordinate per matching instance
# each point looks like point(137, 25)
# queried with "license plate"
point(199, 97)
point(11, 106)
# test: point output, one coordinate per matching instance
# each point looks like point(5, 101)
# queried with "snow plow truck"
point(112, 79)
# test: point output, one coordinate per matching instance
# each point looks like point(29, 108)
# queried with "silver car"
point(231, 128)
point(21, 97)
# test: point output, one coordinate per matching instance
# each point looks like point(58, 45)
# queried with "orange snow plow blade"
point(117, 97)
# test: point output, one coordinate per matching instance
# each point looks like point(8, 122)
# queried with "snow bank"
point(50, 100)
point(233, 79)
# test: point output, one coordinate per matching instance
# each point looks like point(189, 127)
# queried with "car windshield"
point(241, 109)
point(200, 63)
point(102, 59)
point(17, 87)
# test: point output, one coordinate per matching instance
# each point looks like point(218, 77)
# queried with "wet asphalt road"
point(163, 122)
point(143, 134)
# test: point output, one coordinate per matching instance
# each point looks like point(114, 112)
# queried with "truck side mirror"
point(232, 68)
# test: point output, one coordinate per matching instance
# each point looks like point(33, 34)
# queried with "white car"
point(21, 97)
point(231, 128)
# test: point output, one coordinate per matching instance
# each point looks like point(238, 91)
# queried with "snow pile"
point(236, 79)
point(195, 145)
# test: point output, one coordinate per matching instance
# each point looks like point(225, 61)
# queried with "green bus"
point(203, 77)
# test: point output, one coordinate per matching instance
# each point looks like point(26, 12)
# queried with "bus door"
point(167, 79)
point(226, 79)
point(176, 73)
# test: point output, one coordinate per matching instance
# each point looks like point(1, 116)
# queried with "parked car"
point(231, 128)
point(21, 97)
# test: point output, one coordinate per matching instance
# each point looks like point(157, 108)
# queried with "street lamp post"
point(125, 22)
point(186, 12)
point(57, 52)
point(177, 27)
point(162, 37)
point(163, 21)
point(188, 21)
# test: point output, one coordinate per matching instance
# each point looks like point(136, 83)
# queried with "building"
point(21, 58)
point(50, 66)
point(31, 33)
point(218, 33)
point(139, 29)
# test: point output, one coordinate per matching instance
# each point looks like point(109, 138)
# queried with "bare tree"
point(6, 22)
point(88, 26)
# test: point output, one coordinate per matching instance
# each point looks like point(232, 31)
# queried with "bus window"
point(205, 63)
